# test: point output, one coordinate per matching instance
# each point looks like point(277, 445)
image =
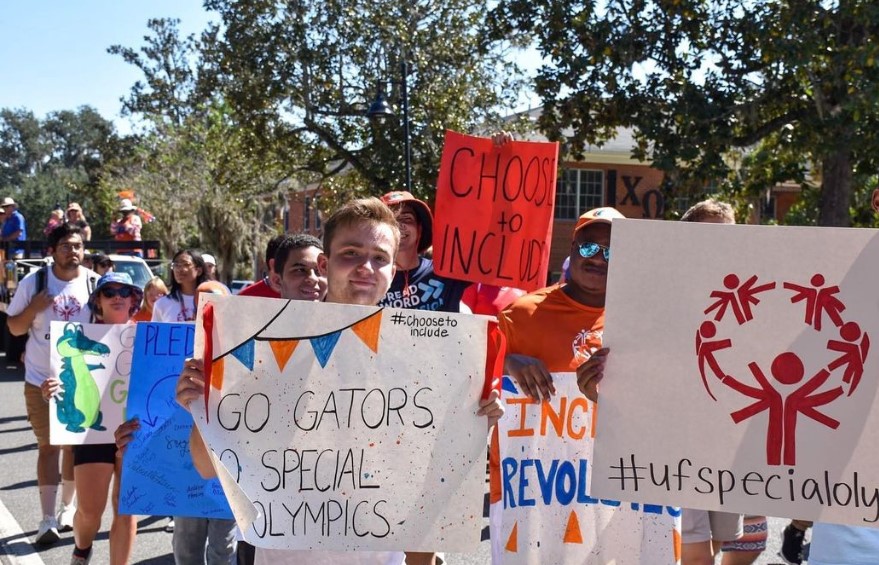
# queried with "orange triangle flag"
point(367, 330)
point(513, 542)
point(572, 532)
point(283, 350)
point(217, 373)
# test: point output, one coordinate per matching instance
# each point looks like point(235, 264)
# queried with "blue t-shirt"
point(425, 290)
point(12, 224)
point(835, 544)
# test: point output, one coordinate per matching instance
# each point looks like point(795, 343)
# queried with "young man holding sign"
point(361, 240)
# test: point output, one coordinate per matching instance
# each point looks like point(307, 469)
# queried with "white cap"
point(209, 259)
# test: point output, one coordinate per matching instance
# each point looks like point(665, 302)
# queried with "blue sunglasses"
point(590, 248)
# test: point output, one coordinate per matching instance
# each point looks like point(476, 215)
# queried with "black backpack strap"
point(42, 276)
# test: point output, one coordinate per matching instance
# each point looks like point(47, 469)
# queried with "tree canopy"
point(702, 82)
point(301, 76)
point(47, 163)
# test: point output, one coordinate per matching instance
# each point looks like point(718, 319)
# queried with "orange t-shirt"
point(550, 326)
point(143, 316)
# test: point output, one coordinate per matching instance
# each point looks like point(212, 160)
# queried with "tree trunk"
point(836, 188)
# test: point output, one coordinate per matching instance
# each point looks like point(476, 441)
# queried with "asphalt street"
point(19, 503)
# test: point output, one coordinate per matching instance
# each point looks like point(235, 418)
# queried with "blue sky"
point(53, 54)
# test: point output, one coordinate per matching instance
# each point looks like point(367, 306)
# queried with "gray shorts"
point(703, 525)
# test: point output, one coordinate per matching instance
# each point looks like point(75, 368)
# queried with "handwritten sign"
point(764, 342)
point(494, 208)
point(348, 427)
point(93, 363)
point(546, 514)
point(158, 477)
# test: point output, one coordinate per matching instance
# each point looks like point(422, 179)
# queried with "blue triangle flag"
point(508, 386)
point(323, 346)
point(245, 353)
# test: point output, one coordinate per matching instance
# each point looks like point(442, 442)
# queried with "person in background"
point(415, 285)
point(64, 297)
point(153, 290)
point(127, 226)
point(114, 301)
point(14, 225)
point(56, 218)
point(76, 217)
point(187, 272)
point(488, 299)
point(704, 532)
point(265, 287)
point(102, 264)
point(210, 266)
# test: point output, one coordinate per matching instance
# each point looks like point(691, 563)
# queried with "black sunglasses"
point(123, 291)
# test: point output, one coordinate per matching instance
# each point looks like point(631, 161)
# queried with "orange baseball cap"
point(604, 215)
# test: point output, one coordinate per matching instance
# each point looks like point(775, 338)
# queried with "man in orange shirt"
point(559, 328)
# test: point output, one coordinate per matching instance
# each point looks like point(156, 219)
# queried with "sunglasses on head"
point(590, 248)
point(123, 291)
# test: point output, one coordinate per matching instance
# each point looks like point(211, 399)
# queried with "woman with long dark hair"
point(187, 272)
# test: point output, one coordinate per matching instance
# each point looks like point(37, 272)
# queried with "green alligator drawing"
point(80, 407)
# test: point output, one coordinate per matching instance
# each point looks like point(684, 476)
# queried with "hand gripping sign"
point(345, 427)
point(744, 380)
point(494, 208)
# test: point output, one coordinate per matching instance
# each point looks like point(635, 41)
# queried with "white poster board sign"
point(546, 514)
point(93, 363)
point(741, 375)
point(348, 427)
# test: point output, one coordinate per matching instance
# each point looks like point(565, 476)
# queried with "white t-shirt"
point(70, 305)
point(835, 544)
point(166, 309)
point(296, 557)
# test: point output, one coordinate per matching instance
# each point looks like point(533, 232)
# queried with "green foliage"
point(47, 163)
point(698, 79)
point(301, 76)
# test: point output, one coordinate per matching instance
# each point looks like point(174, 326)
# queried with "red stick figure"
point(853, 354)
point(739, 298)
point(705, 352)
point(818, 300)
point(787, 369)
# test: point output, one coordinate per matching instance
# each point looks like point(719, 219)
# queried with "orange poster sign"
point(494, 208)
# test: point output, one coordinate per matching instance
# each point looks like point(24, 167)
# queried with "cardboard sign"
point(348, 427)
point(744, 379)
point(93, 363)
point(494, 208)
point(547, 514)
point(158, 477)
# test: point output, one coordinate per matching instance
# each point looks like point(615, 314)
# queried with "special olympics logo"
point(788, 395)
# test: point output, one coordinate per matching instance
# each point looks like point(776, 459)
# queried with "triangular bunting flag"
point(508, 386)
point(323, 346)
point(513, 541)
point(367, 330)
point(283, 350)
point(572, 532)
point(245, 353)
point(217, 373)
